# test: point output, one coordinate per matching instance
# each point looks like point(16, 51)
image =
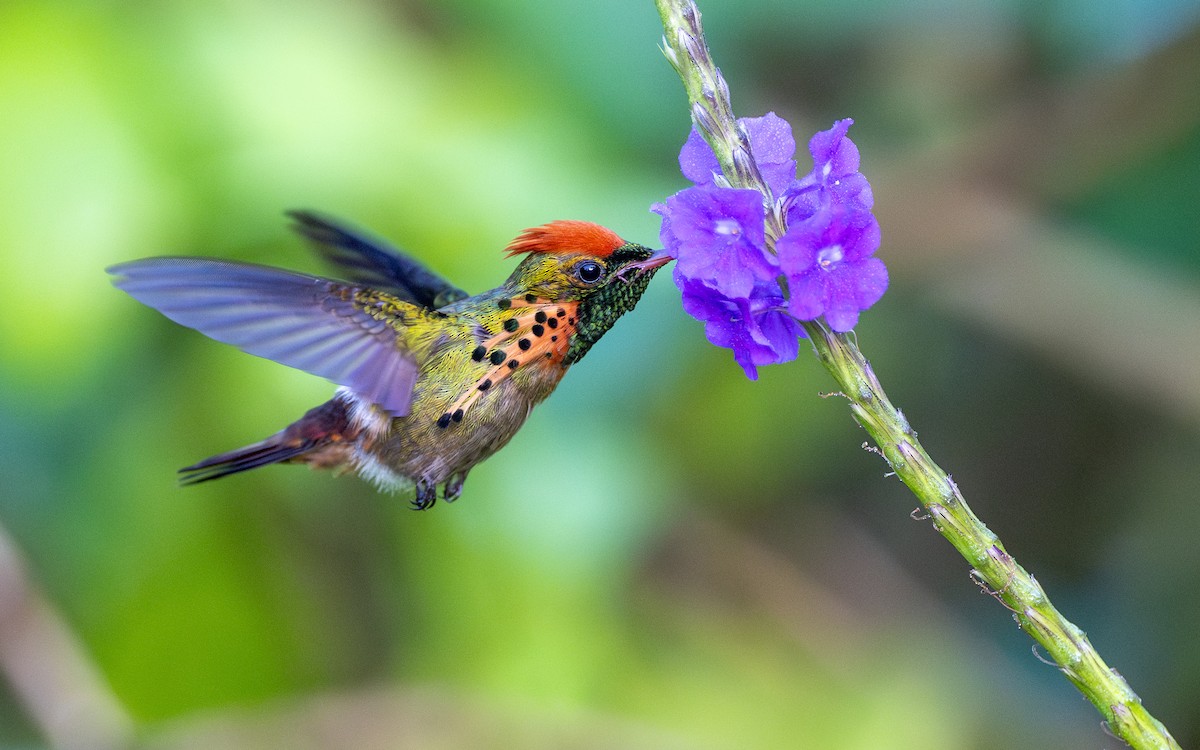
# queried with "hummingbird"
point(431, 381)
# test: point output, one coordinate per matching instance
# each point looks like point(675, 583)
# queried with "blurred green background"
point(707, 562)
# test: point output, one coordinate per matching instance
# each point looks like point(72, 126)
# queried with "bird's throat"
point(538, 334)
point(598, 313)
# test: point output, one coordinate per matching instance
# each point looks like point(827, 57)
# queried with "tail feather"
point(243, 459)
point(321, 438)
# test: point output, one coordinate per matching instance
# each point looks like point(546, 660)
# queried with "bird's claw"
point(454, 487)
point(426, 496)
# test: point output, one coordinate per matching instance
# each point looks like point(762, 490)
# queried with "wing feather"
point(307, 322)
point(375, 263)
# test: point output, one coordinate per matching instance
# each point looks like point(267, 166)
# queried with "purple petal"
point(797, 248)
point(744, 358)
point(697, 161)
point(871, 281)
point(834, 176)
point(827, 261)
point(833, 153)
point(710, 214)
point(771, 144)
point(858, 233)
point(854, 189)
point(803, 199)
point(840, 287)
point(717, 236)
point(732, 274)
point(753, 327)
point(774, 149)
point(842, 319)
point(851, 288)
point(701, 302)
point(783, 333)
point(807, 295)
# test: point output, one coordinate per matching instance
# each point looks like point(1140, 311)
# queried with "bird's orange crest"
point(566, 236)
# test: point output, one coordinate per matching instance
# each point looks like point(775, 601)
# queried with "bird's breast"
point(478, 387)
point(526, 343)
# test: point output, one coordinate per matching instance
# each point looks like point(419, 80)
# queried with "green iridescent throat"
point(600, 310)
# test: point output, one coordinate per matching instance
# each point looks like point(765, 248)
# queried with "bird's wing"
point(373, 262)
point(317, 325)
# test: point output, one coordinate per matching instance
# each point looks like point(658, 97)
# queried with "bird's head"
point(578, 261)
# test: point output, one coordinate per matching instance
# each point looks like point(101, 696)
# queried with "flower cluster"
point(729, 276)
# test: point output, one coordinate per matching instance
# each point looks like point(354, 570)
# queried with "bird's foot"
point(454, 487)
point(426, 496)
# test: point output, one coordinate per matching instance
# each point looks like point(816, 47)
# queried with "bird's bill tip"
point(657, 260)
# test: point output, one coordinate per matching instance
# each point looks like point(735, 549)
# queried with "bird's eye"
point(589, 271)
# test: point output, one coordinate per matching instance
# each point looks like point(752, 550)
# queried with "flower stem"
point(992, 567)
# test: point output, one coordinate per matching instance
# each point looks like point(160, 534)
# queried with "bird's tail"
point(321, 438)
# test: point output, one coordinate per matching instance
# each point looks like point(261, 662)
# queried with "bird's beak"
point(634, 270)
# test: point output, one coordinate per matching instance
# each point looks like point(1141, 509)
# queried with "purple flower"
point(771, 144)
point(834, 177)
point(755, 327)
point(829, 265)
point(728, 277)
point(717, 235)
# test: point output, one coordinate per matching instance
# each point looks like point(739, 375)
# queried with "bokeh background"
point(668, 555)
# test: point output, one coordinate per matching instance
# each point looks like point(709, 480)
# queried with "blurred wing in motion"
point(302, 321)
point(374, 263)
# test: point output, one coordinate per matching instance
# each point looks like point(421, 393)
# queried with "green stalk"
point(992, 566)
